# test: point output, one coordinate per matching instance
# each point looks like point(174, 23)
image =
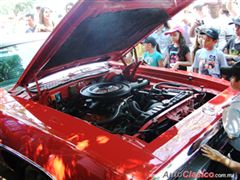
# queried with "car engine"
point(135, 107)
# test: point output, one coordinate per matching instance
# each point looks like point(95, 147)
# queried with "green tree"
point(8, 7)
point(23, 7)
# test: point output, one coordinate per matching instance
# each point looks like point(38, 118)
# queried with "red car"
point(80, 112)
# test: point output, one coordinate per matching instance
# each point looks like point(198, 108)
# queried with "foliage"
point(10, 7)
point(23, 7)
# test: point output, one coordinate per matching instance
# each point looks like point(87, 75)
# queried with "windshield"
point(14, 59)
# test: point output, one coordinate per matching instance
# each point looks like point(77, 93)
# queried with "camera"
point(200, 22)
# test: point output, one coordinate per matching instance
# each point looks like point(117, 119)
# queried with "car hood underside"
point(98, 31)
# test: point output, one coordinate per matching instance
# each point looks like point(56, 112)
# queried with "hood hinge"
point(37, 85)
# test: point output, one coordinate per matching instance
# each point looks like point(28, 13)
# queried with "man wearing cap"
point(232, 48)
point(152, 55)
point(231, 115)
point(209, 60)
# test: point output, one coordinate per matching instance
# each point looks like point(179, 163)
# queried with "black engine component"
point(110, 91)
point(126, 107)
point(106, 90)
point(115, 105)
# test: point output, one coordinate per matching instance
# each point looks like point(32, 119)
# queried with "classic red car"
point(80, 112)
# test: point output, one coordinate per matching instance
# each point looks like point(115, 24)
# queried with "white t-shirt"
point(209, 62)
point(231, 122)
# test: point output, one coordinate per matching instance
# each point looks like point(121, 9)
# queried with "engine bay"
point(131, 107)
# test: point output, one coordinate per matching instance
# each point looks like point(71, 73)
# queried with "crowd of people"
point(209, 42)
point(209, 45)
point(40, 19)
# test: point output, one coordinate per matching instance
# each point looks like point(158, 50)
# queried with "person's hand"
point(175, 66)
point(198, 23)
point(144, 62)
point(236, 58)
point(41, 27)
point(232, 56)
point(211, 153)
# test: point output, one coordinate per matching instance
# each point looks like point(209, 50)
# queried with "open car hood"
point(98, 31)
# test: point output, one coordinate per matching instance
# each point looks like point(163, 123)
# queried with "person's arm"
point(237, 58)
point(231, 124)
point(160, 60)
point(160, 63)
point(144, 62)
point(49, 29)
point(166, 60)
point(226, 47)
point(195, 70)
point(43, 28)
point(217, 156)
point(230, 56)
point(195, 66)
point(192, 30)
point(222, 60)
point(188, 61)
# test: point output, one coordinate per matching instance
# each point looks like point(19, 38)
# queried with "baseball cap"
point(236, 21)
point(175, 29)
point(150, 40)
point(233, 70)
point(211, 32)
